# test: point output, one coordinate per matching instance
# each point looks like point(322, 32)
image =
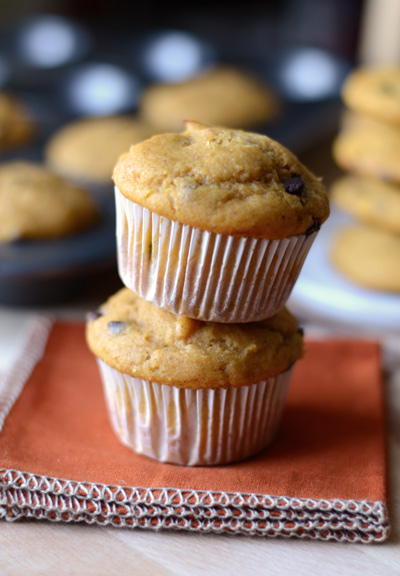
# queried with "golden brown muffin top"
point(223, 95)
point(138, 338)
point(37, 204)
point(88, 149)
point(224, 181)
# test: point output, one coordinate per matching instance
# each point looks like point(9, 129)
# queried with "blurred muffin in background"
point(86, 150)
point(368, 148)
point(37, 204)
point(223, 96)
point(16, 125)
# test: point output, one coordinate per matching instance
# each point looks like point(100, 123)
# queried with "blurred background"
point(235, 28)
point(69, 58)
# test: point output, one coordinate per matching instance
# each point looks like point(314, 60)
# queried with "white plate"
point(323, 291)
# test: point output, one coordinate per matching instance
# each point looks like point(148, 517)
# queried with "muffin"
point(37, 204)
point(224, 96)
point(16, 126)
point(189, 392)
point(215, 223)
point(87, 150)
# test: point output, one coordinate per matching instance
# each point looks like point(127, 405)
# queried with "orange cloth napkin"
point(324, 477)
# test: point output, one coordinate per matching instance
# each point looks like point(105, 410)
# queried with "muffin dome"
point(223, 181)
point(137, 338)
point(34, 203)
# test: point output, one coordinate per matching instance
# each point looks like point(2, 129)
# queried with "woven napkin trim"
point(27, 495)
point(32, 350)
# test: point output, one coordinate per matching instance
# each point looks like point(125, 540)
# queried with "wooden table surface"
point(44, 548)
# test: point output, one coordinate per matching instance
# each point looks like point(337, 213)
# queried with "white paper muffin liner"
point(193, 427)
point(203, 275)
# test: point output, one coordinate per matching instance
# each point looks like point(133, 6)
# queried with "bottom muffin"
point(36, 204)
point(190, 392)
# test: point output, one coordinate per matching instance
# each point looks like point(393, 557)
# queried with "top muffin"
point(224, 181)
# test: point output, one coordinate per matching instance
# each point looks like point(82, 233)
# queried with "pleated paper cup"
point(194, 427)
point(203, 275)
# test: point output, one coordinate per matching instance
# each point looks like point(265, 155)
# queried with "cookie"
point(369, 257)
point(223, 181)
point(223, 96)
point(374, 91)
point(371, 201)
point(370, 148)
point(87, 150)
point(37, 204)
point(16, 125)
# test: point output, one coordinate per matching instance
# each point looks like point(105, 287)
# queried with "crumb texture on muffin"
point(223, 181)
point(138, 338)
point(35, 203)
point(368, 256)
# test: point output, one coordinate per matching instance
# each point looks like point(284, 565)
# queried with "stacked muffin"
point(368, 148)
point(213, 226)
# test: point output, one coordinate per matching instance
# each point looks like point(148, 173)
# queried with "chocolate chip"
point(93, 315)
point(294, 185)
point(300, 331)
point(315, 226)
point(115, 326)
